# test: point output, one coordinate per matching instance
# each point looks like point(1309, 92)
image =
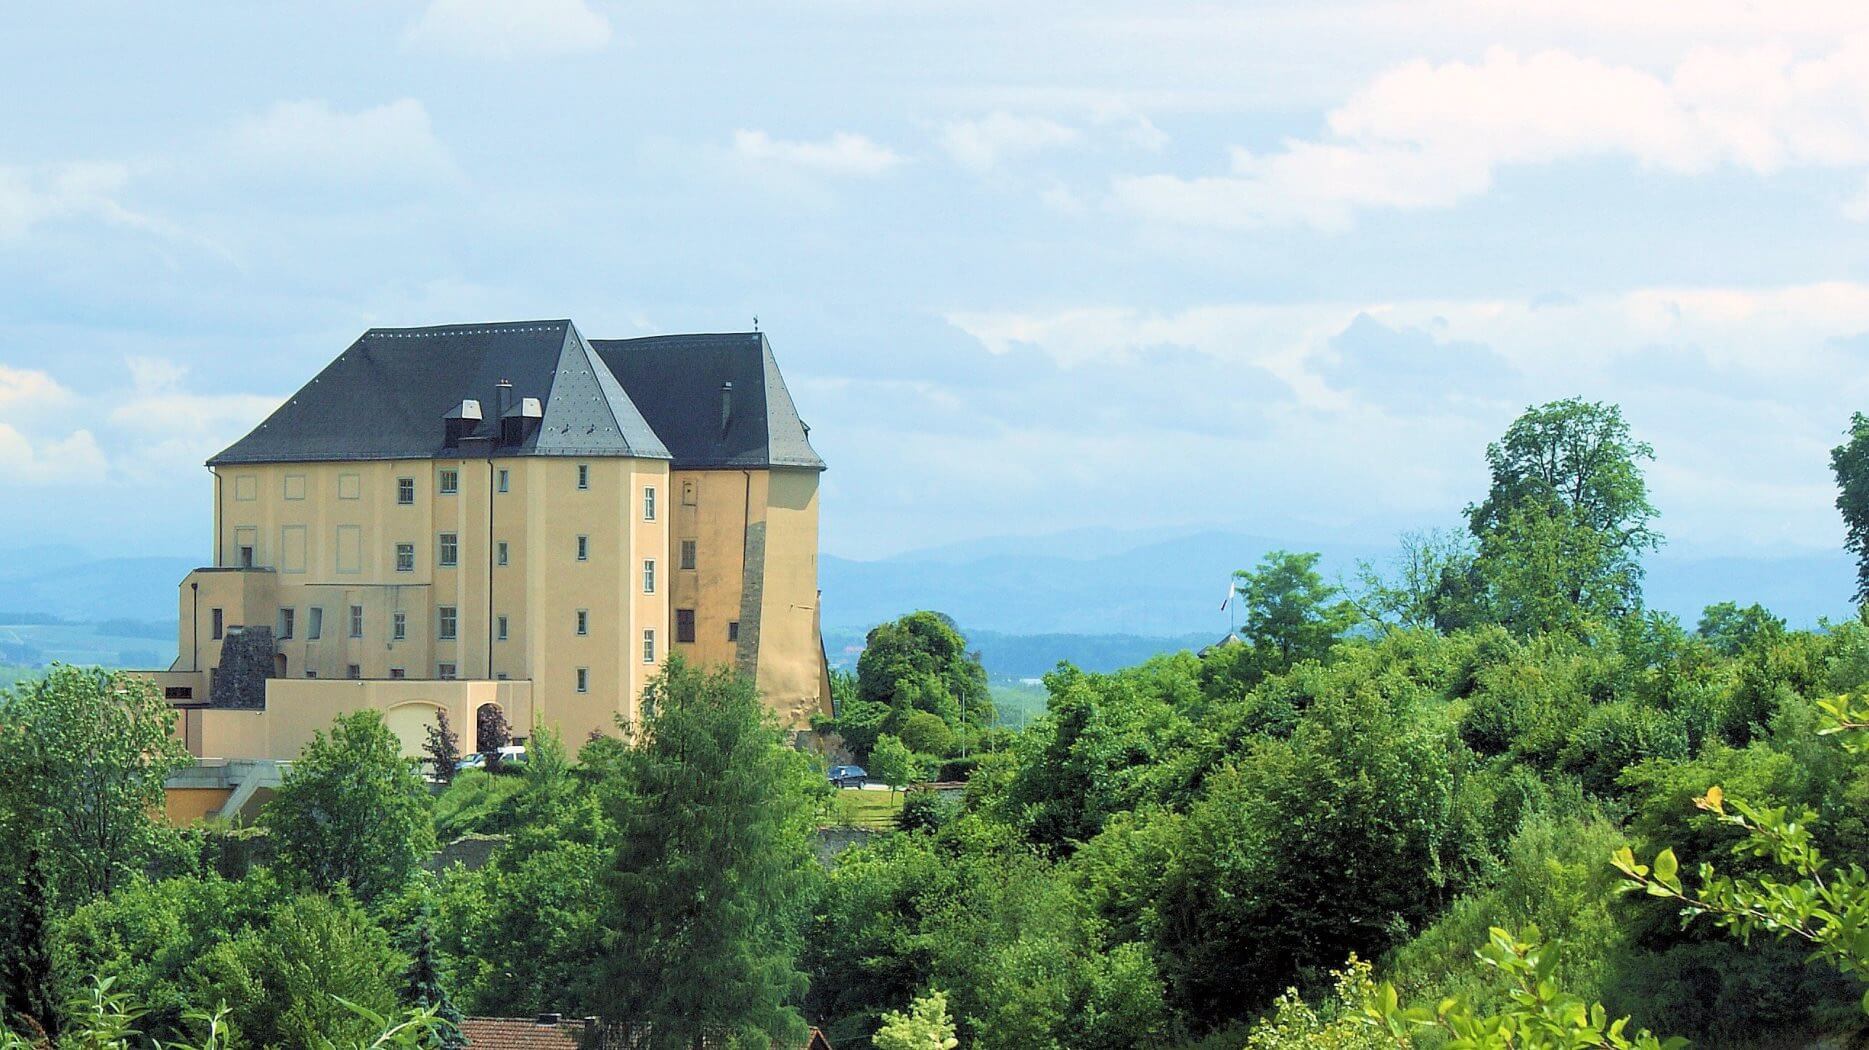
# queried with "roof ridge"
point(485, 327)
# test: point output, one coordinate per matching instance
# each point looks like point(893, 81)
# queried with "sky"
point(1281, 268)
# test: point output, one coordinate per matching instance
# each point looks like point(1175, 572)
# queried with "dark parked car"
point(848, 776)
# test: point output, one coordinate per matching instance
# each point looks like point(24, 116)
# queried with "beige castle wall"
point(298, 708)
point(791, 657)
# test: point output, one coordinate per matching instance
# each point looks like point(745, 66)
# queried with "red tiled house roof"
point(521, 1033)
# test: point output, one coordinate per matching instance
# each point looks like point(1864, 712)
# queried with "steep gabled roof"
point(677, 381)
point(386, 395)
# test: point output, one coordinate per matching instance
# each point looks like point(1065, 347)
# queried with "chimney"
point(726, 407)
point(503, 396)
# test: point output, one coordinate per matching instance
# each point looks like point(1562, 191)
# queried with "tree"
point(443, 747)
point(925, 1026)
point(490, 729)
point(918, 663)
point(1566, 521)
point(86, 752)
point(892, 762)
point(1291, 614)
point(352, 811)
point(28, 970)
point(1732, 630)
point(422, 989)
point(1436, 584)
point(707, 887)
point(1850, 463)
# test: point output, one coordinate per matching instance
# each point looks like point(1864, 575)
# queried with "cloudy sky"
point(1281, 268)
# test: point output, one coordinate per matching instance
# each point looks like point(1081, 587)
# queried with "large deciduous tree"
point(1850, 462)
point(352, 811)
point(1292, 615)
point(918, 663)
point(85, 753)
point(706, 890)
point(1564, 526)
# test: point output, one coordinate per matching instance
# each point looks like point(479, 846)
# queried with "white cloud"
point(23, 389)
point(981, 144)
point(1427, 135)
point(30, 196)
point(310, 139)
point(844, 153)
point(506, 29)
point(73, 459)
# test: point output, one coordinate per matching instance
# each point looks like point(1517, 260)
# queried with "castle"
point(503, 514)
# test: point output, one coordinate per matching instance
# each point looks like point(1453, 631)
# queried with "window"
point(445, 623)
point(353, 670)
point(395, 672)
point(450, 482)
point(502, 626)
point(356, 621)
point(444, 671)
point(219, 620)
point(584, 475)
point(314, 624)
point(503, 478)
point(684, 625)
point(733, 630)
point(584, 548)
point(399, 626)
point(246, 488)
point(294, 486)
point(309, 673)
point(499, 550)
point(687, 493)
point(450, 549)
point(349, 487)
point(648, 647)
point(178, 692)
point(648, 503)
point(405, 557)
point(648, 575)
point(584, 621)
point(687, 554)
point(584, 679)
point(405, 491)
point(285, 623)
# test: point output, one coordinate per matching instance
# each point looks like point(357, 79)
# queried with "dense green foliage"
point(1850, 463)
point(915, 681)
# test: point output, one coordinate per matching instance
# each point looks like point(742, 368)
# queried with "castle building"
point(504, 514)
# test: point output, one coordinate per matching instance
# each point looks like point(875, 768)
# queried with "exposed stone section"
point(246, 664)
point(752, 592)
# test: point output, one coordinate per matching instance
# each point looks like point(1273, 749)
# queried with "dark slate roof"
point(676, 380)
point(386, 395)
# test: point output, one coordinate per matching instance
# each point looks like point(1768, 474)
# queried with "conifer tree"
point(706, 891)
point(424, 990)
point(29, 957)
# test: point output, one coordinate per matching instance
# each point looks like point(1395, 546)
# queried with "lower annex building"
point(509, 514)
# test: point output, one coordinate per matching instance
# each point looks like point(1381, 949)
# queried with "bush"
point(926, 734)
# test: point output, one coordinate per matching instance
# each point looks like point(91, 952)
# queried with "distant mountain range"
point(1100, 598)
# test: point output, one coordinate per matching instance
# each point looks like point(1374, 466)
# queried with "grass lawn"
point(868, 809)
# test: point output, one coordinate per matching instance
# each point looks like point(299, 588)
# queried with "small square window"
point(450, 482)
point(286, 617)
point(353, 670)
point(444, 671)
point(684, 625)
point(314, 624)
point(648, 647)
point(450, 550)
point(445, 623)
point(405, 492)
point(349, 486)
point(733, 630)
point(395, 672)
point(399, 626)
point(584, 475)
point(648, 503)
point(503, 479)
point(356, 621)
point(219, 624)
point(584, 679)
point(687, 554)
point(500, 552)
point(502, 628)
point(648, 576)
point(584, 548)
point(584, 621)
point(405, 557)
